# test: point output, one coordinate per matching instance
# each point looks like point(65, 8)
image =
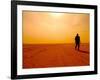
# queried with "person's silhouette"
point(77, 41)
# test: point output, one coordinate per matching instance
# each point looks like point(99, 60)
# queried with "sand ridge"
point(54, 55)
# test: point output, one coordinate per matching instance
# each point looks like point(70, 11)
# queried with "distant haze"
point(51, 28)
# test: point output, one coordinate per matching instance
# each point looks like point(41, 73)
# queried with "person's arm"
point(80, 39)
point(75, 39)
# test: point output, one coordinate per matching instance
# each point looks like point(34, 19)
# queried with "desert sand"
point(54, 55)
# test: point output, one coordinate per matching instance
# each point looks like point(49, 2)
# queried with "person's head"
point(77, 34)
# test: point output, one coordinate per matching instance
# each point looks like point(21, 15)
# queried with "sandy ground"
point(54, 55)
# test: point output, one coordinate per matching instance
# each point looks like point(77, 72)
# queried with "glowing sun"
point(56, 14)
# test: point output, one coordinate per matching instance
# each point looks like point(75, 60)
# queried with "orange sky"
point(50, 27)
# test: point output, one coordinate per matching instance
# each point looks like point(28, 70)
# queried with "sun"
point(56, 14)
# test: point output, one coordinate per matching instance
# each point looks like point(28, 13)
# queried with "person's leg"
point(75, 46)
point(78, 46)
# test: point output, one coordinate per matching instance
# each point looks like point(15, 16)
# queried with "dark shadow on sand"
point(83, 51)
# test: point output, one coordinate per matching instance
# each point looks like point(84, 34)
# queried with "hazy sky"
point(50, 27)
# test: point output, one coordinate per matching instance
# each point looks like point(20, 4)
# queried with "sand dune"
point(54, 55)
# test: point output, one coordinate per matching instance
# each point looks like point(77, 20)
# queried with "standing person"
point(77, 41)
